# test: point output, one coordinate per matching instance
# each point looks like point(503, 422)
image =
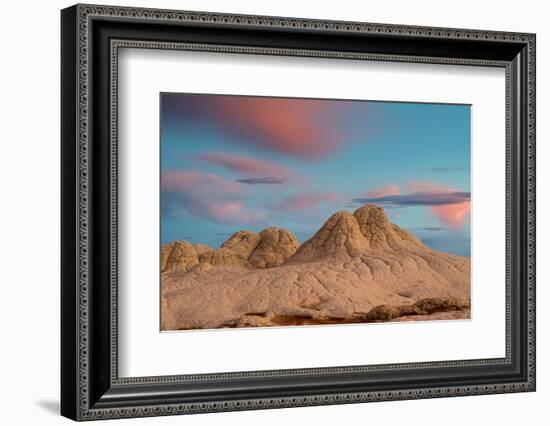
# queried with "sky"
point(230, 163)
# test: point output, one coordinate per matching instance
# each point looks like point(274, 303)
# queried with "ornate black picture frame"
point(91, 387)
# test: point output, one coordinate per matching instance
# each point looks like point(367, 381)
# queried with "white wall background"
point(29, 212)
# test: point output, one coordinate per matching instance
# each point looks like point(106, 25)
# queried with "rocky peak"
point(369, 216)
point(242, 243)
point(233, 252)
point(339, 236)
point(202, 248)
point(374, 225)
point(380, 232)
point(178, 256)
point(270, 248)
point(275, 247)
point(343, 235)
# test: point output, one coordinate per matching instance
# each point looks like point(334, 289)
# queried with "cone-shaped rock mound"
point(178, 256)
point(275, 247)
point(346, 234)
point(379, 232)
point(339, 236)
point(244, 249)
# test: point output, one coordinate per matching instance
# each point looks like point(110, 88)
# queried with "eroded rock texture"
point(178, 256)
point(357, 268)
point(275, 247)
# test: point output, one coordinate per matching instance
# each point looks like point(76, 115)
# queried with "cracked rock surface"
point(357, 268)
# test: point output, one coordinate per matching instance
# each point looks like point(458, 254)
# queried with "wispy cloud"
point(288, 126)
point(418, 199)
point(429, 228)
point(391, 189)
point(267, 180)
point(426, 186)
point(454, 215)
point(306, 201)
point(245, 165)
point(207, 196)
point(183, 180)
point(309, 129)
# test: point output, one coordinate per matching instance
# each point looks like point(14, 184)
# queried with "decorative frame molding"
point(91, 388)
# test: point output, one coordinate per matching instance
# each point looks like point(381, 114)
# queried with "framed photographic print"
point(263, 212)
point(256, 162)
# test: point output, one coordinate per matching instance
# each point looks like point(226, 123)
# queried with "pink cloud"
point(245, 165)
point(306, 201)
point(385, 191)
point(232, 212)
point(428, 187)
point(453, 215)
point(181, 180)
point(288, 126)
point(207, 196)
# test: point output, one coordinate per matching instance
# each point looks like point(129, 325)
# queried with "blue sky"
point(233, 162)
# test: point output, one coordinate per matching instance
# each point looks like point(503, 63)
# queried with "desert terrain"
point(358, 268)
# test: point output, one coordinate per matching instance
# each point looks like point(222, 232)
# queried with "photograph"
point(280, 211)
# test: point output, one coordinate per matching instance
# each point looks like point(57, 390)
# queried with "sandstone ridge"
point(244, 249)
point(358, 267)
point(343, 235)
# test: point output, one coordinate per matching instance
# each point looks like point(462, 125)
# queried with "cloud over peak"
point(451, 206)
